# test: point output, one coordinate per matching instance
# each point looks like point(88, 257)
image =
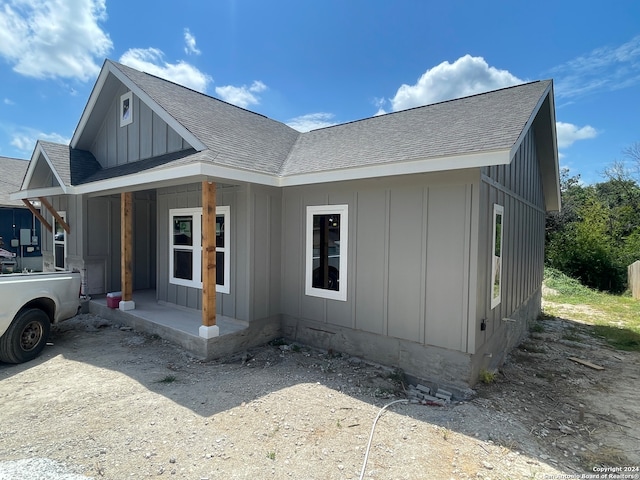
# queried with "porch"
point(180, 325)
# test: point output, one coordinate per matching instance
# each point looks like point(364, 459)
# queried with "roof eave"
point(549, 166)
point(424, 165)
point(37, 192)
point(37, 152)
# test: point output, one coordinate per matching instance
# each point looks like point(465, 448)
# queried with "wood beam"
point(37, 214)
point(55, 214)
point(126, 245)
point(208, 253)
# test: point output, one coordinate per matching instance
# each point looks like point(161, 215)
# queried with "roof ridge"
point(441, 102)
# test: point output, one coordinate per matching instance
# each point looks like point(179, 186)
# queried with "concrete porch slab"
point(181, 326)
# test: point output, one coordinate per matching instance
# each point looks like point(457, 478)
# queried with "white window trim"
point(63, 215)
point(343, 211)
point(495, 300)
point(129, 119)
point(196, 213)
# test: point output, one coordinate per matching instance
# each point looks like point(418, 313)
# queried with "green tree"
point(597, 234)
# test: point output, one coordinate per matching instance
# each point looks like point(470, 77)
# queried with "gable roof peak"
point(127, 69)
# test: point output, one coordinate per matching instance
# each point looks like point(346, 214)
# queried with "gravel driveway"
point(105, 402)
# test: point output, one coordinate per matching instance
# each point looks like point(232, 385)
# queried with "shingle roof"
point(183, 157)
point(13, 171)
point(238, 137)
point(73, 165)
point(243, 139)
point(480, 123)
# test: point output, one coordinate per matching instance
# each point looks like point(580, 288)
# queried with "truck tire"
point(26, 336)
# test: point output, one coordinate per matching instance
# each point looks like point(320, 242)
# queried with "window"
point(326, 251)
point(496, 264)
point(59, 243)
point(185, 245)
point(126, 109)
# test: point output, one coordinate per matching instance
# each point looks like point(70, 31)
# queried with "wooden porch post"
point(126, 251)
point(209, 328)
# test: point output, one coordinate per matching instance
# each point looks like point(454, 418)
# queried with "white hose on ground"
point(373, 427)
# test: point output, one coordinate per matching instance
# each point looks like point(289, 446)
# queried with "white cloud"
point(311, 121)
point(605, 68)
point(242, 96)
point(54, 38)
point(151, 60)
point(569, 133)
point(8, 101)
point(25, 140)
point(466, 76)
point(190, 43)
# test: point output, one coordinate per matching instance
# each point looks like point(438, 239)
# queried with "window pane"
point(59, 256)
point(183, 264)
point(220, 231)
point(326, 251)
point(498, 233)
point(183, 230)
point(219, 268)
point(496, 266)
point(59, 235)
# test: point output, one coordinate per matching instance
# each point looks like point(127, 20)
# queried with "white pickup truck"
point(29, 304)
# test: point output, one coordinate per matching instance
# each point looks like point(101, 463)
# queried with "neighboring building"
point(415, 239)
point(19, 229)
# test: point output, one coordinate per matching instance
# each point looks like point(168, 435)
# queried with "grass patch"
point(616, 318)
point(536, 327)
point(276, 342)
point(487, 376)
point(167, 379)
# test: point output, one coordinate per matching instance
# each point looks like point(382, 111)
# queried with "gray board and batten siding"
point(148, 136)
point(408, 258)
point(518, 188)
point(255, 258)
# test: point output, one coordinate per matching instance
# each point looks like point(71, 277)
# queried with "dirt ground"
point(106, 402)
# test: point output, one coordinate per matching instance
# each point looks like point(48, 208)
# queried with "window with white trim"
point(326, 251)
point(59, 243)
point(496, 263)
point(185, 247)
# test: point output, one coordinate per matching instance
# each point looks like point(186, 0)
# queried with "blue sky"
point(316, 63)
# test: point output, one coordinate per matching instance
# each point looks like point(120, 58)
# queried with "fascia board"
point(532, 117)
point(498, 157)
point(32, 165)
point(554, 139)
point(35, 158)
point(88, 109)
point(161, 112)
point(54, 171)
point(144, 97)
point(37, 192)
point(166, 176)
point(197, 171)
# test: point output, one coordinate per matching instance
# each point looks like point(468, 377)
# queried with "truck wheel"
point(26, 336)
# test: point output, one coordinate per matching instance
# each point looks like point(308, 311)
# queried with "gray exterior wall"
point(102, 250)
point(408, 259)
point(93, 246)
point(517, 187)
point(147, 136)
point(255, 235)
point(71, 205)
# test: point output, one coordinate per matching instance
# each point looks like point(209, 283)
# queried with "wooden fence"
point(633, 274)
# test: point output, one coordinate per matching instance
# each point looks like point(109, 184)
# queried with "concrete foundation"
point(423, 362)
point(433, 366)
point(511, 332)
